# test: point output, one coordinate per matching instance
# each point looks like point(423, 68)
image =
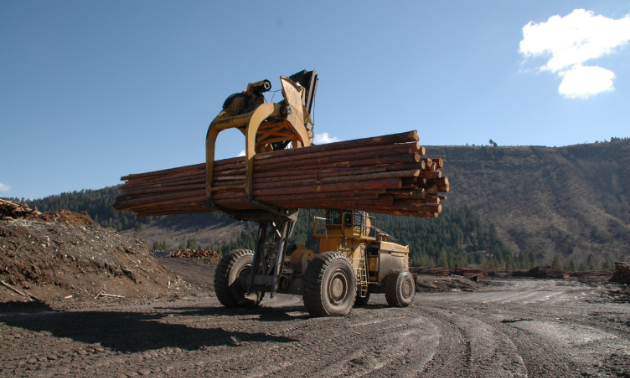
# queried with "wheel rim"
point(406, 289)
point(338, 287)
point(241, 279)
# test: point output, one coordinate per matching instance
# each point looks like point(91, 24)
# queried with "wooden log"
point(341, 157)
point(427, 199)
point(125, 204)
point(359, 194)
point(430, 174)
point(141, 176)
point(432, 189)
point(174, 176)
point(225, 162)
point(190, 179)
point(327, 204)
point(389, 183)
point(407, 194)
point(438, 161)
point(442, 181)
point(406, 137)
point(407, 158)
point(322, 172)
point(218, 184)
point(334, 180)
point(421, 165)
point(313, 156)
point(166, 189)
point(409, 205)
point(406, 213)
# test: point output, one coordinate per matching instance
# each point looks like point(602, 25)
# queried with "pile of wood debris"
point(622, 273)
point(13, 210)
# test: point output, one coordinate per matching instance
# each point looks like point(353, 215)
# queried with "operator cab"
point(347, 224)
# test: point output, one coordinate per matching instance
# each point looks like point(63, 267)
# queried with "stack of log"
point(501, 273)
point(386, 174)
point(190, 253)
point(439, 271)
point(621, 273)
point(469, 272)
point(596, 275)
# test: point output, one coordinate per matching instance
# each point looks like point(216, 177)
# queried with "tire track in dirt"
point(439, 335)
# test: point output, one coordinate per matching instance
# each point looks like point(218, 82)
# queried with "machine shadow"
point(130, 332)
point(265, 314)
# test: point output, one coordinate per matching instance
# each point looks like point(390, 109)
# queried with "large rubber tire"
point(362, 301)
point(330, 285)
point(400, 288)
point(230, 283)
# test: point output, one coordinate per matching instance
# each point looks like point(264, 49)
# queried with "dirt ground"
point(504, 328)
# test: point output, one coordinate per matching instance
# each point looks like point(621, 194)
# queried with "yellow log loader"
point(353, 259)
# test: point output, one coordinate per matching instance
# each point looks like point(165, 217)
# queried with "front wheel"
point(330, 285)
point(400, 288)
point(231, 277)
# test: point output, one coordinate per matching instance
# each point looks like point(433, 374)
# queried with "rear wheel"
point(231, 277)
point(400, 288)
point(330, 285)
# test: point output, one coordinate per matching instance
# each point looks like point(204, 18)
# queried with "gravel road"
point(535, 328)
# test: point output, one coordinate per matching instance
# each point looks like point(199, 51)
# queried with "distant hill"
point(567, 201)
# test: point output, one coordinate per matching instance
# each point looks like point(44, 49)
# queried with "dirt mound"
point(198, 254)
point(65, 257)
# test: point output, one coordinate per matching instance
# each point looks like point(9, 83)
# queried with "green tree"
point(556, 263)
point(591, 264)
point(606, 264)
point(569, 265)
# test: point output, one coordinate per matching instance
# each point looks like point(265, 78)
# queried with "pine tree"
point(569, 265)
point(556, 263)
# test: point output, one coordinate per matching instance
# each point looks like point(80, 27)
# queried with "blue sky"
point(91, 91)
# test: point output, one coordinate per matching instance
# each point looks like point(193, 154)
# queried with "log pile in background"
point(438, 271)
point(469, 272)
point(621, 273)
point(190, 253)
point(384, 174)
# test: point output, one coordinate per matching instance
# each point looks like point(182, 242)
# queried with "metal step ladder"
point(363, 279)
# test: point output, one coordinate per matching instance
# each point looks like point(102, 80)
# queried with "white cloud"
point(4, 188)
point(572, 40)
point(242, 153)
point(324, 138)
point(584, 82)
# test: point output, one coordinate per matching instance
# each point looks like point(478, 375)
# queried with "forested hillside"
point(570, 202)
